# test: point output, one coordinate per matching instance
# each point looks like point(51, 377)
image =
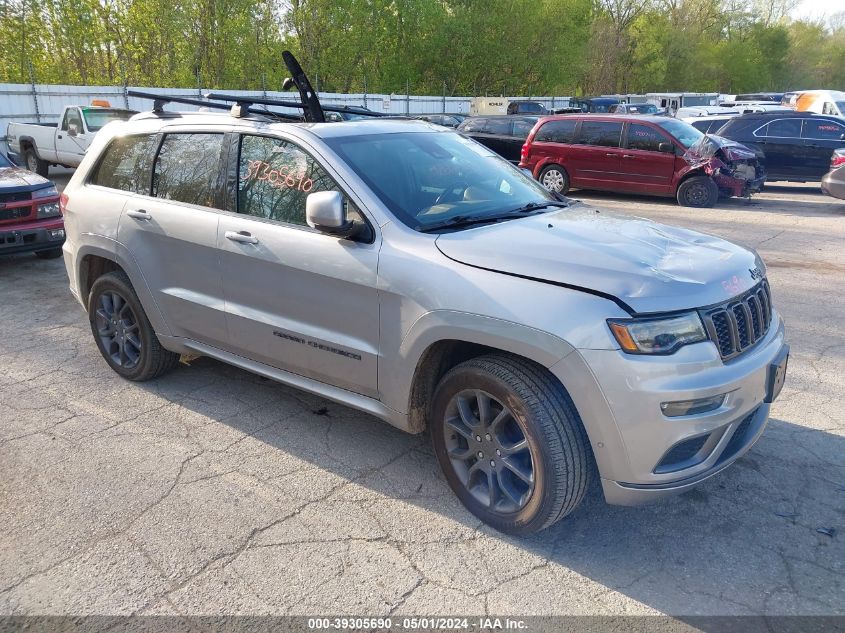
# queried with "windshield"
point(95, 119)
point(643, 108)
point(684, 132)
point(529, 106)
point(5, 162)
point(426, 178)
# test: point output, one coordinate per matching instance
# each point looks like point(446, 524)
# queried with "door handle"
point(139, 214)
point(60, 136)
point(244, 237)
point(628, 156)
point(609, 154)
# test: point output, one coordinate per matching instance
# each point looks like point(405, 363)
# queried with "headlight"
point(47, 192)
point(657, 336)
point(49, 210)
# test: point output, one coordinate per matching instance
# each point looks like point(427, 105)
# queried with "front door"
point(645, 169)
point(296, 299)
point(172, 235)
point(70, 138)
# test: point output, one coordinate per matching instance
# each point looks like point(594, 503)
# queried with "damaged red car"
point(639, 154)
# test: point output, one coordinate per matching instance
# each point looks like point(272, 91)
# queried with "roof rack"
point(312, 109)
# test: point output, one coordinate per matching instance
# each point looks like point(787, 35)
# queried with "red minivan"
point(654, 155)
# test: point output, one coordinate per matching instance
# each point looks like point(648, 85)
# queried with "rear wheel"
point(122, 331)
point(33, 163)
point(510, 443)
point(698, 191)
point(554, 178)
point(50, 253)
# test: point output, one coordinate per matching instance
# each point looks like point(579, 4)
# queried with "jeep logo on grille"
point(756, 273)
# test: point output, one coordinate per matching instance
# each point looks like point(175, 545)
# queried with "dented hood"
point(648, 267)
point(19, 179)
point(709, 145)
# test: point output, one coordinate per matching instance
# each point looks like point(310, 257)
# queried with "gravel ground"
point(214, 491)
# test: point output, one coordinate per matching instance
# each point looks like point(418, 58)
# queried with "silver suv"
point(401, 269)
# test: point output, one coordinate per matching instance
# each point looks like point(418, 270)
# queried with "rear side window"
point(275, 177)
point(604, 134)
point(187, 168)
point(473, 125)
point(644, 138)
point(822, 130)
point(126, 163)
point(557, 132)
point(521, 129)
point(782, 128)
point(498, 126)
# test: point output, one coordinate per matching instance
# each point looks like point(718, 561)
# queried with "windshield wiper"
point(469, 220)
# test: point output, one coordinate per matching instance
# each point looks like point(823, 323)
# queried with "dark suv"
point(504, 134)
point(794, 146)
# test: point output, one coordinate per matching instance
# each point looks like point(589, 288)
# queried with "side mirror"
point(72, 130)
point(324, 212)
point(666, 148)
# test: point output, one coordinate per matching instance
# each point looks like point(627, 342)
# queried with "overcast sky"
point(818, 8)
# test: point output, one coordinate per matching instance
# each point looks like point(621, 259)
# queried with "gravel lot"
point(214, 491)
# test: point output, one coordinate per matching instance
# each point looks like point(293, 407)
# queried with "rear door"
point(821, 137)
point(520, 128)
point(644, 168)
point(595, 157)
point(171, 231)
point(296, 299)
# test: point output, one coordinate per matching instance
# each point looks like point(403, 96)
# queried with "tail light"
point(63, 203)
point(523, 153)
point(837, 159)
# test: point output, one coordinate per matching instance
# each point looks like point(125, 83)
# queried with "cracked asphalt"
point(214, 491)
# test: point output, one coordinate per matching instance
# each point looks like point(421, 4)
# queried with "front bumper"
point(31, 237)
point(644, 455)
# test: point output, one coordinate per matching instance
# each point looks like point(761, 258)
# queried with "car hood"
point(19, 179)
point(642, 265)
point(710, 145)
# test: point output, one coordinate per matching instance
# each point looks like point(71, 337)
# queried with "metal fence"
point(43, 103)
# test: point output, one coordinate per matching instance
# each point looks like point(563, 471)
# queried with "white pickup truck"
point(43, 144)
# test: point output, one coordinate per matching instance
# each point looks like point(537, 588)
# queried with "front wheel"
point(698, 191)
point(554, 178)
point(122, 331)
point(510, 443)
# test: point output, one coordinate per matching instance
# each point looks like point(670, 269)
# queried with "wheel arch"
point(440, 340)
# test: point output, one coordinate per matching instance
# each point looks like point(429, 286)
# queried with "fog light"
point(57, 234)
point(691, 407)
point(50, 210)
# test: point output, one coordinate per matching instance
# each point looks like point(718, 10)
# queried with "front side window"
point(72, 118)
point(822, 129)
point(187, 168)
point(498, 126)
point(126, 163)
point(645, 138)
point(601, 133)
point(557, 132)
point(275, 177)
point(783, 128)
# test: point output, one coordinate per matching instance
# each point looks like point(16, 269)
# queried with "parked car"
point(407, 271)
point(833, 183)
point(504, 134)
point(638, 154)
point(30, 220)
point(526, 107)
point(829, 102)
point(446, 120)
point(593, 104)
point(760, 96)
point(794, 146)
point(709, 124)
point(43, 144)
point(634, 108)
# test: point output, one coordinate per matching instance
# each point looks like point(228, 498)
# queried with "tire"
point(50, 253)
point(536, 413)
point(33, 163)
point(557, 176)
point(123, 334)
point(698, 191)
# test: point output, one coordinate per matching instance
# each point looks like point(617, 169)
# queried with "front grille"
point(738, 324)
point(14, 214)
point(19, 196)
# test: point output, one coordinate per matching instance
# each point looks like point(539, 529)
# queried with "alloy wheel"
point(489, 451)
point(118, 329)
